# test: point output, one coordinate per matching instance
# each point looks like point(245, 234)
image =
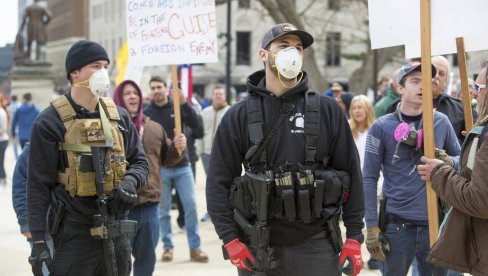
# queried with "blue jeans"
point(182, 179)
point(15, 146)
point(406, 242)
point(415, 270)
point(3, 147)
point(205, 161)
point(144, 243)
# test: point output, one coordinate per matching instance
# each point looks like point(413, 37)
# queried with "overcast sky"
point(8, 22)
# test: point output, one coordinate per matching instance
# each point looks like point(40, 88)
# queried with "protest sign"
point(171, 31)
point(397, 22)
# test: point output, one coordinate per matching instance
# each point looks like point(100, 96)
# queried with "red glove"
point(351, 251)
point(239, 254)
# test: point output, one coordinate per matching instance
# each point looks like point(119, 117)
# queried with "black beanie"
point(82, 53)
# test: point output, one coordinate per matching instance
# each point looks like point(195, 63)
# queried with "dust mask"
point(98, 83)
point(288, 62)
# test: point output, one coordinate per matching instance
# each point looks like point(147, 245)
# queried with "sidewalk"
point(15, 248)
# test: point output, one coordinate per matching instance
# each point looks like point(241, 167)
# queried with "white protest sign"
point(397, 22)
point(171, 32)
point(446, 46)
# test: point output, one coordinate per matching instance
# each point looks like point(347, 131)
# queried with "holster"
point(331, 215)
point(56, 217)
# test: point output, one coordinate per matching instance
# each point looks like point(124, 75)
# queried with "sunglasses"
point(478, 87)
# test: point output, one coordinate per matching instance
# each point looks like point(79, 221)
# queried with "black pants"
point(78, 253)
point(311, 258)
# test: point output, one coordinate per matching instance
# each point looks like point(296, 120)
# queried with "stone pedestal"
point(37, 80)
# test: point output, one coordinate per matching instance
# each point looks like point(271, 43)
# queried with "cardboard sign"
point(171, 32)
point(397, 22)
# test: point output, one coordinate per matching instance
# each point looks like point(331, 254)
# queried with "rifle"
point(103, 221)
point(260, 231)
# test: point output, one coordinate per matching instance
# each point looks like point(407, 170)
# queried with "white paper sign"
point(446, 46)
point(397, 22)
point(171, 32)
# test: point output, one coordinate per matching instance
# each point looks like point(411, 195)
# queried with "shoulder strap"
point(255, 125)
point(256, 152)
point(110, 108)
point(312, 124)
point(482, 134)
point(64, 109)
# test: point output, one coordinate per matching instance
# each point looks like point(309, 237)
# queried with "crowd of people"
point(310, 161)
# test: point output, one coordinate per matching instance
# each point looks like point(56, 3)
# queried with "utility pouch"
point(382, 216)
point(240, 197)
point(86, 163)
point(284, 200)
point(337, 185)
point(304, 205)
point(56, 218)
point(287, 203)
point(306, 194)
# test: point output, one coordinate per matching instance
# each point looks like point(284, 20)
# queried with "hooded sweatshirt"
point(159, 149)
point(287, 146)
point(119, 100)
point(23, 119)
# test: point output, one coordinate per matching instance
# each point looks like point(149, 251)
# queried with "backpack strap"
point(255, 126)
point(312, 125)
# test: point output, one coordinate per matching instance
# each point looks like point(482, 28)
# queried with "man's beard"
point(270, 62)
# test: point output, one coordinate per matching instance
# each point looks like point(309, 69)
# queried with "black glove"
point(40, 254)
point(123, 197)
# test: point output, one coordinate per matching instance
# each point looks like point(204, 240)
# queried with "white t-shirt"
point(361, 145)
point(3, 125)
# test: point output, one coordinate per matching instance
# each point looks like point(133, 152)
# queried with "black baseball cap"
point(411, 67)
point(284, 29)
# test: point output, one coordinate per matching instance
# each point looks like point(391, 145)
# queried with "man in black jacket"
point(179, 176)
point(301, 244)
point(444, 103)
point(61, 171)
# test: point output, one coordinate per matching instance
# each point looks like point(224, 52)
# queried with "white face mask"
point(288, 62)
point(98, 83)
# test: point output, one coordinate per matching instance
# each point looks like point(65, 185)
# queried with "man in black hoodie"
point(299, 243)
point(179, 176)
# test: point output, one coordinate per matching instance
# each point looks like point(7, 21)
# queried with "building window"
point(455, 61)
point(333, 49)
point(244, 4)
point(334, 5)
point(243, 48)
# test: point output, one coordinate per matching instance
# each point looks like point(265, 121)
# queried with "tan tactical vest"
point(80, 135)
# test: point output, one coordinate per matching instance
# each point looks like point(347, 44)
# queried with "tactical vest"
point(312, 192)
point(79, 176)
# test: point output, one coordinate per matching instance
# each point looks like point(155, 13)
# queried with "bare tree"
point(306, 18)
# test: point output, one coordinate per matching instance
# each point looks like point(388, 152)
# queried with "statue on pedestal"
point(35, 19)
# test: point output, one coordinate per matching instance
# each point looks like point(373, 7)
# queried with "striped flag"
point(186, 80)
